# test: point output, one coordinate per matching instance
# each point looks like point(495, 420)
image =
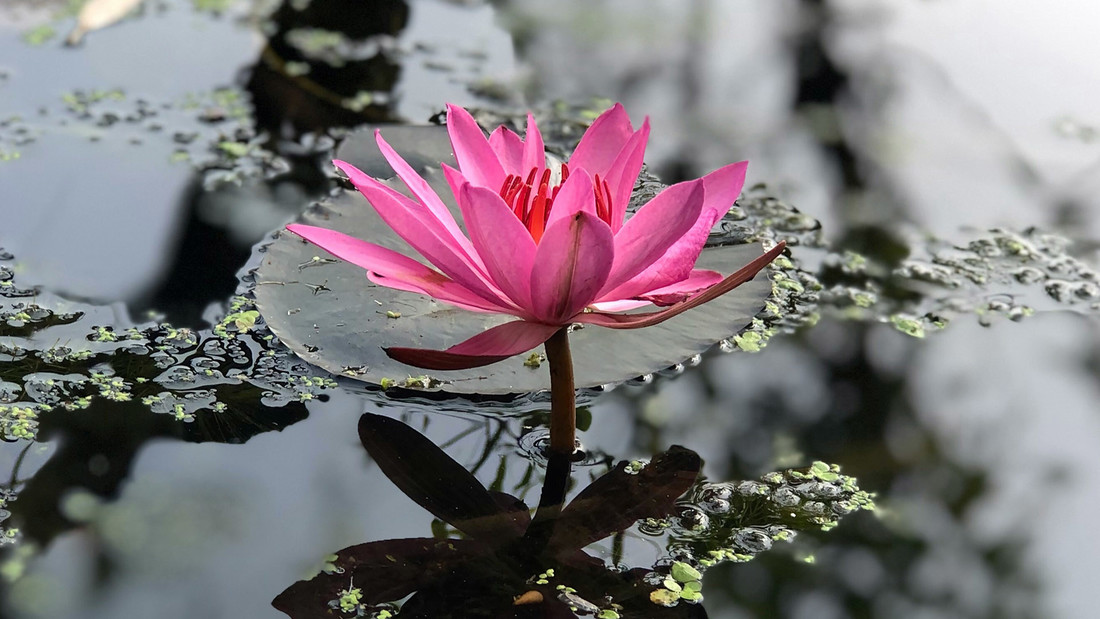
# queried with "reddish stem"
point(563, 401)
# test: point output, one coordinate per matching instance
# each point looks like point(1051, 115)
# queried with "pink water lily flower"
point(548, 243)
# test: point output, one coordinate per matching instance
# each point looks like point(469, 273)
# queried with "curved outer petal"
point(395, 270)
point(571, 266)
point(637, 321)
point(462, 298)
point(500, 238)
point(491, 346)
point(601, 143)
point(534, 152)
point(657, 226)
point(698, 279)
point(624, 173)
point(509, 149)
point(475, 157)
point(455, 179)
point(574, 195)
point(673, 266)
point(421, 190)
point(619, 306)
point(724, 186)
point(412, 221)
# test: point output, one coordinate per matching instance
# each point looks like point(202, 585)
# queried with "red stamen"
point(510, 198)
point(607, 190)
point(532, 206)
point(521, 202)
point(507, 184)
point(601, 209)
point(537, 220)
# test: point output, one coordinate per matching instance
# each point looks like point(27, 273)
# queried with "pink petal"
point(601, 143)
point(619, 306)
point(649, 234)
point(501, 240)
point(673, 266)
point(475, 157)
point(393, 269)
point(509, 149)
point(571, 265)
point(452, 294)
point(496, 344)
point(575, 195)
point(534, 152)
point(624, 172)
point(637, 321)
point(455, 179)
point(415, 223)
point(420, 189)
point(697, 280)
point(724, 186)
point(439, 218)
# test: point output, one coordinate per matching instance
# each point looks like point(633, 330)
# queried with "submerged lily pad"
point(330, 314)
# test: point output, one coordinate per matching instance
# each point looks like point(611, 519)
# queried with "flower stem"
point(563, 401)
point(558, 468)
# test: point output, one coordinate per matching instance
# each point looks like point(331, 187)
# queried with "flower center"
point(531, 202)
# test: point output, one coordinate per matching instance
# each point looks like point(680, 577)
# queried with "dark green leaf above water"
point(330, 314)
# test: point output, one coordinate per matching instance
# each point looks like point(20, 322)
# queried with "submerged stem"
point(563, 402)
point(552, 500)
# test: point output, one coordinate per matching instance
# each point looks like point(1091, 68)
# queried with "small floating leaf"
point(682, 572)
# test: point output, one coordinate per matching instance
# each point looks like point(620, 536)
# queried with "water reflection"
point(509, 564)
point(328, 63)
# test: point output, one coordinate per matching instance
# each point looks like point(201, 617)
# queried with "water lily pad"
point(423, 146)
point(331, 315)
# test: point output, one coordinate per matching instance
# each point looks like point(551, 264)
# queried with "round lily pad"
point(332, 316)
point(423, 147)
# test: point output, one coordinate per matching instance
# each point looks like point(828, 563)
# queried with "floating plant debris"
point(735, 521)
point(70, 369)
point(998, 273)
point(64, 355)
point(212, 131)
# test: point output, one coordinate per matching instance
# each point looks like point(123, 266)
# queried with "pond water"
point(165, 454)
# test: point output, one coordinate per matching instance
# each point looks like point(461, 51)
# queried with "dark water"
point(138, 169)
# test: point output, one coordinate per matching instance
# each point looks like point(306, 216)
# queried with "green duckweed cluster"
point(735, 521)
point(61, 355)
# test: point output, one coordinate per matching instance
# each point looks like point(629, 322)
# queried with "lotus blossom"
point(546, 242)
